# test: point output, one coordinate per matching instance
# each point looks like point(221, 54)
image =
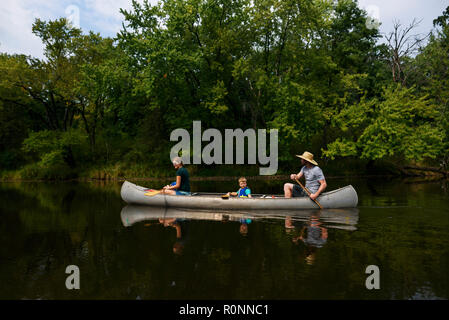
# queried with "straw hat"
point(308, 157)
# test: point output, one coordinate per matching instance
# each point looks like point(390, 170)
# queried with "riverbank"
point(139, 172)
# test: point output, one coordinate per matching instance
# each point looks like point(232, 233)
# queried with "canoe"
point(345, 197)
point(346, 219)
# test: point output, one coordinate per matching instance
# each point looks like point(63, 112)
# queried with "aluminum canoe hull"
point(345, 197)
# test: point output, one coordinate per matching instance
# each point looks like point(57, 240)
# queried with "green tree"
point(335, 61)
point(432, 76)
point(397, 125)
point(283, 64)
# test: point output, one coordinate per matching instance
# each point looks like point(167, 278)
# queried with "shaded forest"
point(317, 71)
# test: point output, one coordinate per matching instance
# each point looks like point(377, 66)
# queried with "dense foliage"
point(315, 70)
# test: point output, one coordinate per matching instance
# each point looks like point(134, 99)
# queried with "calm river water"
point(126, 252)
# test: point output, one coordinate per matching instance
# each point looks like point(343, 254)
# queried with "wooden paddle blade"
point(225, 197)
point(153, 193)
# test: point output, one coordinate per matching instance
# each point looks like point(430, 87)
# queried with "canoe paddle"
point(227, 195)
point(152, 192)
point(308, 192)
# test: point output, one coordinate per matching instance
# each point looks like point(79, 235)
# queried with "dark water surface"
point(142, 253)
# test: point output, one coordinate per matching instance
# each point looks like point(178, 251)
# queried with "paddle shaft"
point(308, 192)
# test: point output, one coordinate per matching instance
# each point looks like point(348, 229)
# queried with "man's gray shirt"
point(312, 176)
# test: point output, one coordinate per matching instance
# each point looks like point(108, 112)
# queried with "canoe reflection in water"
point(313, 234)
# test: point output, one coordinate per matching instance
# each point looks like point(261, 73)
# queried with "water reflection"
point(333, 218)
point(313, 234)
point(311, 229)
point(244, 226)
point(46, 227)
point(132, 214)
point(308, 226)
point(181, 225)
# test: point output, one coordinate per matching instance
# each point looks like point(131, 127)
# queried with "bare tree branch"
point(402, 45)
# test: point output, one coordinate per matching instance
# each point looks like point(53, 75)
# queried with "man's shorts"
point(298, 191)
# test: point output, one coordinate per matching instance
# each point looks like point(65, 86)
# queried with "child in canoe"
point(243, 192)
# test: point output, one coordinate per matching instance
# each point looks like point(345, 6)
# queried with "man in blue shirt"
point(315, 181)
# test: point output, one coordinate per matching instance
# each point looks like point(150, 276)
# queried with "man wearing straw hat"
point(315, 181)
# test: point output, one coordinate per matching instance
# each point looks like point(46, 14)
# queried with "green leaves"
point(399, 124)
point(216, 103)
point(54, 153)
point(341, 148)
point(57, 37)
point(42, 142)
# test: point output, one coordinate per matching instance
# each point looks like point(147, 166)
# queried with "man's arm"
point(323, 186)
point(296, 176)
